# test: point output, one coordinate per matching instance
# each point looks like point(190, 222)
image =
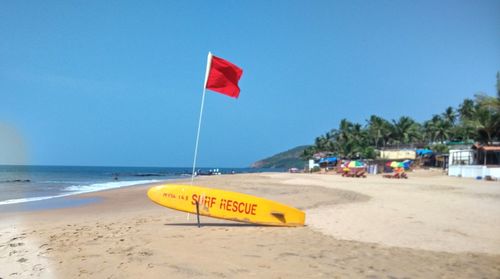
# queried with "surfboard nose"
point(153, 192)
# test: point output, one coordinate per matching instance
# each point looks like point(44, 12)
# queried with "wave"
point(106, 185)
point(148, 174)
point(16, 181)
point(14, 201)
point(80, 189)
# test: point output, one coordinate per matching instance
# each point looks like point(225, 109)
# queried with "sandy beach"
point(429, 226)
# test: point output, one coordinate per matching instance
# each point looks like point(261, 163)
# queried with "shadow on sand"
point(217, 225)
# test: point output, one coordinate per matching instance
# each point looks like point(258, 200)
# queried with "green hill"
point(287, 159)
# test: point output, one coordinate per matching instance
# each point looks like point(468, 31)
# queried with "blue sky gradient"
point(119, 83)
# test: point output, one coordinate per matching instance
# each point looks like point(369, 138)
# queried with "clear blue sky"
point(119, 83)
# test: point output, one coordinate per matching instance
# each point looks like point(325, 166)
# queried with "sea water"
point(29, 186)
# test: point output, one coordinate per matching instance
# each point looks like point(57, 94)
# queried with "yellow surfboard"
point(226, 205)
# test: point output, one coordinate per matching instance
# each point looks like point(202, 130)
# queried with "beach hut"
point(476, 162)
point(488, 155)
point(399, 154)
point(328, 162)
point(423, 152)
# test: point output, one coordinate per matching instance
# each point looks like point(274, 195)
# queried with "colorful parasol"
point(395, 164)
point(355, 164)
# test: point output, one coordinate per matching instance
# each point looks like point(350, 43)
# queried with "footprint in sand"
point(15, 238)
point(37, 267)
point(252, 256)
point(239, 270)
point(288, 254)
point(216, 274)
point(146, 253)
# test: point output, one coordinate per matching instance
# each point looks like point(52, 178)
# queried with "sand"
point(425, 227)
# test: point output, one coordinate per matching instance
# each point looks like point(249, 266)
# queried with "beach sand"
point(428, 226)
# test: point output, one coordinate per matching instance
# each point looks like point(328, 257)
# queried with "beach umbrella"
point(406, 164)
point(395, 164)
point(354, 164)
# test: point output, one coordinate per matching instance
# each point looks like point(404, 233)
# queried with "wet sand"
point(425, 227)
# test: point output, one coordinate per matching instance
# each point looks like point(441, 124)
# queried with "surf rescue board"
point(226, 205)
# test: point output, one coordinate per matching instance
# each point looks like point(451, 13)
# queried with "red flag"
point(223, 77)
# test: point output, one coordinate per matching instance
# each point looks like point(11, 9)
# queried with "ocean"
point(40, 187)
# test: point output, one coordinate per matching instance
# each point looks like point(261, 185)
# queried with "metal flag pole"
point(209, 61)
point(198, 137)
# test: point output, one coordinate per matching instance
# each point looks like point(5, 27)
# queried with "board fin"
point(279, 215)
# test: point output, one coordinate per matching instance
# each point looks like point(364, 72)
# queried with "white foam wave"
point(13, 201)
point(80, 189)
point(104, 186)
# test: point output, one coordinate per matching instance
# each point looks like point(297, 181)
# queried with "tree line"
point(476, 119)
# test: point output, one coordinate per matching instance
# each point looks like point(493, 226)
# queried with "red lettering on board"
point(204, 201)
point(169, 195)
point(227, 205)
point(254, 208)
point(236, 206)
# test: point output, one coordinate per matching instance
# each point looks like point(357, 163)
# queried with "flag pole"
point(198, 136)
point(209, 61)
point(207, 71)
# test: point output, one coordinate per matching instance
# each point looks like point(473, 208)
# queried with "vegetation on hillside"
point(475, 119)
point(287, 159)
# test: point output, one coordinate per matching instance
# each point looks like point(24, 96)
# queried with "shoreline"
point(69, 194)
point(351, 225)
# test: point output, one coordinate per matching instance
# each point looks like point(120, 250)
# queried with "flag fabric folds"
point(223, 77)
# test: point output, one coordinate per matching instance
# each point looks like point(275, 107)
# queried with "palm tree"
point(388, 135)
point(486, 118)
point(377, 129)
point(439, 128)
point(450, 115)
point(358, 135)
point(344, 131)
point(443, 130)
point(321, 143)
point(487, 123)
point(325, 142)
point(430, 128)
point(405, 130)
point(467, 109)
point(465, 130)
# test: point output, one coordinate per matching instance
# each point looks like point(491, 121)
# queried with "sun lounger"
point(354, 172)
point(361, 173)
point(396, 175)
